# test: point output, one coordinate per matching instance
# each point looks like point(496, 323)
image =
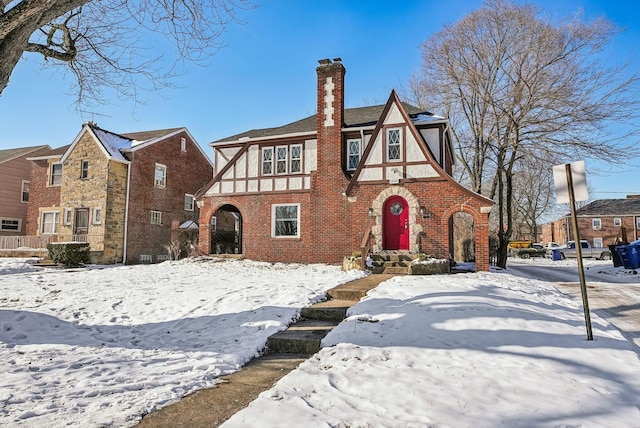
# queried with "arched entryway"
point(462, 241)
point(395, 220)
point(226, 231)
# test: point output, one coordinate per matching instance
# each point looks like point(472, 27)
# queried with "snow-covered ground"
point(100, 347)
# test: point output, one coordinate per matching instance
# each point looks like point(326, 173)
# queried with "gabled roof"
point(353, 118)
point(51, 154)
point(629, 206)
point(143, 136)
point(9, 154)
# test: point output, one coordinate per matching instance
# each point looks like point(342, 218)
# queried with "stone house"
point(602, 222)
point(15, 184)
point(367, 179)
point(125, 194)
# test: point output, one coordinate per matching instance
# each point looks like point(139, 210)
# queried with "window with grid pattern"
point(267, 161)
point(156, 217)
point(393, 144)
point(353, 154)
point(295, 161)
point(281, 160)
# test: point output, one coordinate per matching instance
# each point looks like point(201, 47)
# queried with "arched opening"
point(226, 231)
point(462, 242)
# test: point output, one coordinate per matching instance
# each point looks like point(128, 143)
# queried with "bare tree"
point(101, 41)
point(516, 85)
point(532, 193)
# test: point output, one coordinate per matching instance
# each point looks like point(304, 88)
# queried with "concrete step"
point(396, 270)
point(330, 310)
point(303, 337)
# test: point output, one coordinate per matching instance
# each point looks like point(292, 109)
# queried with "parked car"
point(569, 251)
point(534, 250)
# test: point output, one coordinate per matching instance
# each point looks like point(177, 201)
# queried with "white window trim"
point(285, 160)
point(157, 216)
point(67, 216)
point(273, 222)
point(50, 181)
point(617, 222)
point(183, 144)
point(157, 183)
point(349, 141)
point(262, 161)
point(22, 192)
point(400, 138)
point(56, 216)
point(193, 202)
point(597, 242)
point(291, 159)
point(96, 217)
point(593, 223)
point(83, 169)
point(19, 220)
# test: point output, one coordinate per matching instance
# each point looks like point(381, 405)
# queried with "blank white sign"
point(579, 178)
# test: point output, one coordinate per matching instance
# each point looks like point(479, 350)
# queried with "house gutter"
point(126, 216)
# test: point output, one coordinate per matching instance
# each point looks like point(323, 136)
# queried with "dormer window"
point(393, 145)
point(354, 152)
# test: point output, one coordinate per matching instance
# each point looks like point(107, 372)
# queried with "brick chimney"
point(330, 117)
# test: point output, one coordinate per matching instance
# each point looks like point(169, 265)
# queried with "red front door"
point(395, 218)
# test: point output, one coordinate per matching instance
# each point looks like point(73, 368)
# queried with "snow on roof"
point(421, 119)
point(113, 143)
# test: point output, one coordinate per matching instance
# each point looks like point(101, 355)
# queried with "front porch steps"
point(305, 335)
point(390, 262)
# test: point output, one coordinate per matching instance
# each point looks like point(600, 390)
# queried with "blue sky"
point(265, 76)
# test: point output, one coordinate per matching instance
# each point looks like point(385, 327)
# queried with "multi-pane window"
point(84, 169)
point(295, 159)
point(596, 223)
point(188, 202)
point(393, 144)
point(160, 176)
point(281, 160)
point(214, 223)
point(617, 222)
point(97, 215)
point(597, 242)
point(49, 222)
point(354, 151)
point(285, 220)
point(10, 224)
point(55, 178)
point(267, 161)
point(156, 217)
point(25, 191)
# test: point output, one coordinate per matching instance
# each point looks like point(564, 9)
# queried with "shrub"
point(69, 254)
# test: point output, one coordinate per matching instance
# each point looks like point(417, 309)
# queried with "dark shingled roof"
point(629, 206)
point(353, 117)
point(8, 154)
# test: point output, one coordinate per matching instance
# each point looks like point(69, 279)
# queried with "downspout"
point(126, 215)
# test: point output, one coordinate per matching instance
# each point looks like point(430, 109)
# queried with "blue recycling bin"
point(630, 255)
point(556, 254)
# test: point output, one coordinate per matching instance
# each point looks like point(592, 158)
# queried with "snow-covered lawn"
point(101, 347)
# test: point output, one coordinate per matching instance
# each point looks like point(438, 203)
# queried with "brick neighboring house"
point(15, 171)
point(126, 195)
point(600, 222)
point(316, 190)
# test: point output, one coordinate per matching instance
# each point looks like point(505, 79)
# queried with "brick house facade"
point(602, 222)
point(313, 190)
point(125, 194)
point(15, 183)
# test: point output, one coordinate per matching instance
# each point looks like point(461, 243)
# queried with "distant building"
point(602, 222)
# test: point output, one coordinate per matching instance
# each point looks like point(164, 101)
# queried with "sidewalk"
point(212, 407)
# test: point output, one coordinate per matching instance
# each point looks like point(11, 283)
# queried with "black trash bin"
point(615, 256)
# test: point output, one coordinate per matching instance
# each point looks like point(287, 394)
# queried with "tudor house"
point(313, 191)
point(127, 195)
point(15, 169)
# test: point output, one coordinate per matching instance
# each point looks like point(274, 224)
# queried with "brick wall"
point(40, 194)
point(187, 172)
